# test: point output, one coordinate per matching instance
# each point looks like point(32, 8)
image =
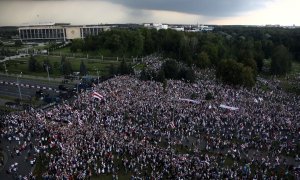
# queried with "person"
point(145, 127)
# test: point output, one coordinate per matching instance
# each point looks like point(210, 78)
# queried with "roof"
point(47, 24)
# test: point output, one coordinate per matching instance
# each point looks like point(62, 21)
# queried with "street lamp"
point(20, 75)
point(5, 68)
point(97, 74)
point(47, 68)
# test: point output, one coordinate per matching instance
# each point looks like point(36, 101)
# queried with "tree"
point(203, 60)
point(48, 65)
point(248, 77)
point(147, 74)
point(138, 43)
point(143, 75)
point(259, 55)
point(234, 73)
point(259, 59)
point(212, 50)
point(76, 44)
point(82, 69)
point(112, 70)
point(281, 61)
point(209, 96)
point(267, 47)
point(187, 74)
point(38, 67)
point(161, 76)
point(171, 69)
point(18, 43)
point(113, 42)
point(66, 67)
point(32, 64)
point(123, 68)
point(149, 44)
point(229, 72)
point(250, 63)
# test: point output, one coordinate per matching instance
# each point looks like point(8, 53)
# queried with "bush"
point(209, 96)
point(234, 73)
point(194, 96)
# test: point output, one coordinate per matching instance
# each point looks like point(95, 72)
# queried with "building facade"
point(59, 32)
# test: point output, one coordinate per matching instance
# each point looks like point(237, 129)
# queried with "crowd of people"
point(143, 129)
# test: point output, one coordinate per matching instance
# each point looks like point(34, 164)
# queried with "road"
point(32, 82)
point(28, 87)
point(13, 91)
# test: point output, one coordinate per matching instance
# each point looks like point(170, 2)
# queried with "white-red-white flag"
point(97, 95)
point(172, 125)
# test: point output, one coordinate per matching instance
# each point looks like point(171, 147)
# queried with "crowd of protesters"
point(146, 130)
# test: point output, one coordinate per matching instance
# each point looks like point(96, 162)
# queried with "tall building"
point(58, 31)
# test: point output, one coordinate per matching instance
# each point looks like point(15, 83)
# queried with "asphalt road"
point(32, 82)
point(13, 91)
point(28, 87)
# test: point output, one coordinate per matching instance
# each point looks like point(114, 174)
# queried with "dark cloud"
point(214, 8)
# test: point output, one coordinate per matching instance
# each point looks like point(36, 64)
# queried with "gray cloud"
point(213, 8)
point(113, 11)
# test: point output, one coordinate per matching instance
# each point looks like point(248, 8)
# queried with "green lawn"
point(21, 65)
point(67, 52)
point(62, 50)
point(295, 68)
point(91, 54)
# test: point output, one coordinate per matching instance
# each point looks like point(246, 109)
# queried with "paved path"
point(13, 57)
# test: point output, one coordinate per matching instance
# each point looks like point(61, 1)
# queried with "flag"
point(97, 95)
point(172, 125)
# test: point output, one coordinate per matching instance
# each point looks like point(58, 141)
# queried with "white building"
point(58, 31)
point(156, 26)
point(177, 28)
point(199, 28)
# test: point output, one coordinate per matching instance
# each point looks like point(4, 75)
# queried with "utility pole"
point(98, 75)
point(47, 68)
point(5, 68)
point(20, 75)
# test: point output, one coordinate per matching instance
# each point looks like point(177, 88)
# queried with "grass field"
point(295, 68)
point(99, 53)
point(66, 50)
point(21, 65)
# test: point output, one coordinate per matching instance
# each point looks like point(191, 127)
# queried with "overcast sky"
point(246, 12)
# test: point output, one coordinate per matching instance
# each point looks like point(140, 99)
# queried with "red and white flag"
point(172, 125)
point(96, 95)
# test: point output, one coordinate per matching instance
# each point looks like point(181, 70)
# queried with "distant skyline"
point(221, 12)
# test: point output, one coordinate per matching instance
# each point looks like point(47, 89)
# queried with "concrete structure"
point(58, 31)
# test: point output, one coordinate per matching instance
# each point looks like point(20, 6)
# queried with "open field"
point(295, 68)
point(21, 65)
point(91, 54)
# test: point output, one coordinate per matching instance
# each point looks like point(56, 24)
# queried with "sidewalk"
point(13, 57)
point(24, 76)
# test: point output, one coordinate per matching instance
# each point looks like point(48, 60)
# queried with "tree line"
point(65, 67)
point(239, 50)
